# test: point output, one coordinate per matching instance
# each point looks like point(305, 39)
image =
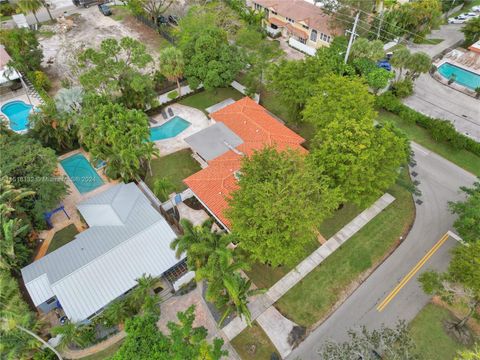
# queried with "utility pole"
point(380, 25)
point(352, 37)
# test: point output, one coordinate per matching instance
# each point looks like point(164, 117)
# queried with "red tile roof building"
point(258, 129)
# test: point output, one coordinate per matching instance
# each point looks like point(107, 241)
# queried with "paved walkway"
point(259, 306)
point(450, 34)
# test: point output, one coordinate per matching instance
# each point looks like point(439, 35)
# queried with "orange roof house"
point(257, 129)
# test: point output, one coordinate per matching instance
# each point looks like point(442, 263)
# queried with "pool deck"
point(18, 95)
point(59, 220)
point(195, 117)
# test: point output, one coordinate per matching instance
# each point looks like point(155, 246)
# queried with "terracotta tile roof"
point(297, 32)
point(258, 129)
point(300, 10)
point(277, 22)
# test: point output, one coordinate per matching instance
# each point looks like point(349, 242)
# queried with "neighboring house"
point(126, 238)
point(306, 26)
point(239, 130)
point(8, 75)
point(475, 47)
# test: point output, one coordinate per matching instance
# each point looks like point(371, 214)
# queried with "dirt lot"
point(90, 28)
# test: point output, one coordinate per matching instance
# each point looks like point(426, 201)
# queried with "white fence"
point(302, 47)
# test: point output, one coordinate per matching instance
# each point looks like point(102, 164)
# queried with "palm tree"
point(143, 290)
point(30, 6)
point(238, 290)
point(11, 246)
point(172, 65)
point(400, 60)
point(73, 334)
point(162, 188)
point(9, 195)
point(47, 7)
point(116, 312)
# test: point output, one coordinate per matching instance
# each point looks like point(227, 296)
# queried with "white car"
point(470, 15)
point(476, 8)
point(460, 19)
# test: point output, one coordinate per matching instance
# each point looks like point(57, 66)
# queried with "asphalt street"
point(439, 183)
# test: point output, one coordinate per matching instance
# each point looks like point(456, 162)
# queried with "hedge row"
point(440, 130)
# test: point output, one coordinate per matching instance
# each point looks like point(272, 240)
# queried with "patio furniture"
point(164, 115)
point(152, 120)
point(170, 112)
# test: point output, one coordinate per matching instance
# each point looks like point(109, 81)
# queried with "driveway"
point(450, 34)
point(439, 183)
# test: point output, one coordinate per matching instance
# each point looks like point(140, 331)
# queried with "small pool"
point(170, 129)
point(82, 173)
point(17, 112)
point(463, 77)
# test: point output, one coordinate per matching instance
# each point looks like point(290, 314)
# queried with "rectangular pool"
point(463, 77)
point(170, 129)
point(82, 173)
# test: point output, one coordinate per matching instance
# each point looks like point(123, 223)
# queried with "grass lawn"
point(252, 343)
point(62, 237)
point(314, 296)
point(342, 217)
point(205, 99)
point(433, 343)
point(462, 158)
point(119, 12)
point(105, 354)
point(430, 41)
point(175, 167)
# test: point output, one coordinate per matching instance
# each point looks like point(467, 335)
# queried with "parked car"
point(173, 19)
point(476, 8)
point(470, 15)
point(105, 10)
point(85, 3)
point(162, 20)
point(457, 20)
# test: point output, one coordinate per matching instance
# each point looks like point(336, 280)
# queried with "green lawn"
point(429, 41)
point(433, 343)
point(62, 237)
point(105, 354)
point(314, 296)
point(462, 158)
point(252, 343)
point(205, 99)
point(175, 167)
point(342, 217)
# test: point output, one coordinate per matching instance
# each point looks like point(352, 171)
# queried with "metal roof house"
point(126, 238)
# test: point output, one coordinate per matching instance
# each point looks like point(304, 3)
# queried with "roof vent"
point(237, 174)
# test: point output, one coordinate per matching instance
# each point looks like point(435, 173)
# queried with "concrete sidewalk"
point(259, 306)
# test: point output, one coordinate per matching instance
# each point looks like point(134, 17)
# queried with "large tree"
point(117, 70)
point(30, 6)
point(172, 65)
point(460, 284)
point(23, 47)
point(145, 342)
point(120, 139)
point(279, 204)
point(151, 8)
point(32, 166)
point(211, 60)
point(363, 48)
point(384, 343)
point(468, 211)
point(471, 30)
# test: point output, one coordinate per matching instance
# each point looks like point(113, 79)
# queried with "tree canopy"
point(117, 70)
point(211, 60)
point(23, 47)
point(32, 166)
point(280, 203)
point(471, 30)
point(145, 342)
point(120, 139)
point(468, 211)
point(172, 65)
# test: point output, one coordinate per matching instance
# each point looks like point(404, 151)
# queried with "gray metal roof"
point(104, 261)
point(213, 141)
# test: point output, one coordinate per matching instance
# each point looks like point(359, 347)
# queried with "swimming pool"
point(462, 76)
point(17, 112)
point(82, 173)
point(170, 129)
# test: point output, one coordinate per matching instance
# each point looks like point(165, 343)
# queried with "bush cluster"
point(440, 130)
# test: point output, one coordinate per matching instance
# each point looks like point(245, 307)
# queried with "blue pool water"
point(17, 112)
point(170, 129)
point(82, 173)
point(463, 77)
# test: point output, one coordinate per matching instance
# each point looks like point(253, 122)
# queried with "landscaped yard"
point(62, 237)
point(205, 99)
point(105, 354)
point(311, 299)
point(433, 343)
point(462, 158)
point(175, 167)
point(252, 343)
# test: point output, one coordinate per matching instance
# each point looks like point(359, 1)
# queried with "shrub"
point(440, 130)
point(172, 95)
point(402, 89)
point(40, 80)
point(7, 9)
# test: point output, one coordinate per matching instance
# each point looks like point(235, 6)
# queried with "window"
point(258, 7)
point(313, 36)
point(274, 12)
point(303, 41)
point(290, 20)
point(305, 26)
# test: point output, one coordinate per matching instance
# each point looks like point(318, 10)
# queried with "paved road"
point(440, 181)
